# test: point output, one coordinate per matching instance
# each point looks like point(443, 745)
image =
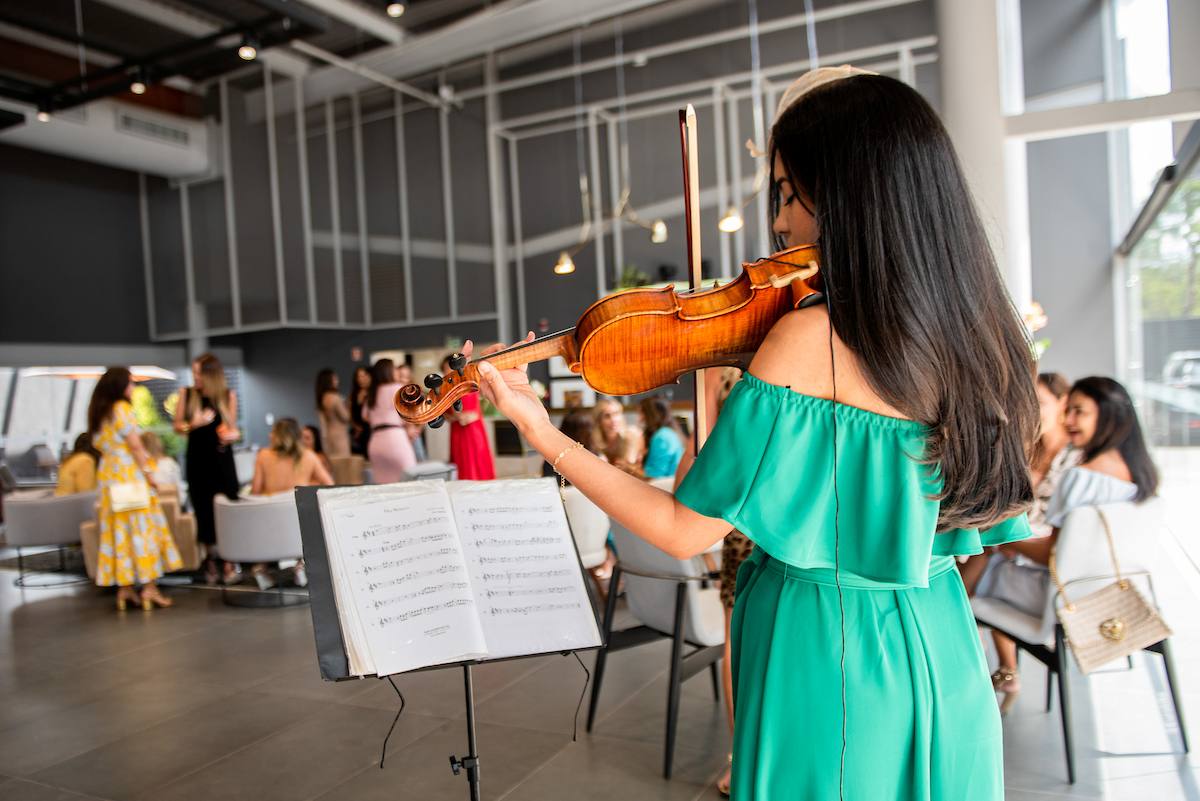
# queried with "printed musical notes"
point(524, 567)
point(429, 572)
point(405, 568)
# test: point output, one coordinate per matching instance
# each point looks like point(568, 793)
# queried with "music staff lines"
point(422, 611)
point(525, 575)
point(431, 589)
point(531, 609)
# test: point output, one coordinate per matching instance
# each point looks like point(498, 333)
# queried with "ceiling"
point(176, 46)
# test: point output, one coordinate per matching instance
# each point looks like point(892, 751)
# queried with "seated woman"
point(620, 445)
point(310, 438)
point(285, 465)
point(1052, 456)
point(78, 471)
point(167, 473)
point(1115, 466)
point(664, 442)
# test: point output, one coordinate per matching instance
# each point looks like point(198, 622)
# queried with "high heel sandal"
point(1008, 681)
point(124, 596)
point(153, 599)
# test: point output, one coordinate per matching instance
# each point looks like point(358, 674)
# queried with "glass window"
point(39, 415)
point(1163, 338)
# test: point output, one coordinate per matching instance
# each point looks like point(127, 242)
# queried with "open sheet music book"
point(431, 572)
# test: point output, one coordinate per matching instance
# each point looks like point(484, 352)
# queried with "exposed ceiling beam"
point(499, 26)
point(358, 16)
point(366, 72)
point(100, 58)
point(171, 17)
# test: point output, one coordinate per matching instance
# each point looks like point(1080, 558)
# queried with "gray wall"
point(70, 251)
point(1072, 259)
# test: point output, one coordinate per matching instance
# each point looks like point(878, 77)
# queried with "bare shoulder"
point(796, 354)
point(802, 353)
point(1109, 463)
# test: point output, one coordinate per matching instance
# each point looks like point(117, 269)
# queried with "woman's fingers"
point(493, 385)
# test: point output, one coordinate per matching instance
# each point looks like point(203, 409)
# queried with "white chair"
point(1084, 566)
point(666, 595)
point(589, 526)
point(41, 519)
point(259, 529)
point(431, 471)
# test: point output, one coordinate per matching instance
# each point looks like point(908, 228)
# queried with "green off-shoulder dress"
point(921, 721)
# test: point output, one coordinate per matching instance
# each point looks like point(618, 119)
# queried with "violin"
point(636, 340)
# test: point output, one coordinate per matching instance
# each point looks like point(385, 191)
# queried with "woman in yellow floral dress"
point(135, 543)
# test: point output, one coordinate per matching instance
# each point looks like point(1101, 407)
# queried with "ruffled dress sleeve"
point(768, 470)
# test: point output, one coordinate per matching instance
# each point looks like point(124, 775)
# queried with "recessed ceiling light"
point(395, 9)
point(249, 49)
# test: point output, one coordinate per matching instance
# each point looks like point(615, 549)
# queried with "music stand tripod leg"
point(471, 761)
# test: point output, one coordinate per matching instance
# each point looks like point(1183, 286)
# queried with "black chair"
point(667, 597)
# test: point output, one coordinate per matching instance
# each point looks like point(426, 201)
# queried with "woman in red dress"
point(469, 449)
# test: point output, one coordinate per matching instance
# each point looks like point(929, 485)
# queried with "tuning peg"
point(458, 405)
point(437, 422)
point(458, 362)
point(433, 381)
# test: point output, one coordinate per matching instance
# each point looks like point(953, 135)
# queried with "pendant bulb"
point(732, 221)
point(565, 265)
point(658, 232)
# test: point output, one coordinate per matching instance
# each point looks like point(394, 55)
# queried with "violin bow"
point(691, 209)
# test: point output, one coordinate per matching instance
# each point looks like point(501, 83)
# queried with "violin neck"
point(558, 344)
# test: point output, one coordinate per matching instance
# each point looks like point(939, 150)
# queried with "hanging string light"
point(566, 264)
point(624, 209)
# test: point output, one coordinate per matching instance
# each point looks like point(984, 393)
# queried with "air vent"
point(149, 129)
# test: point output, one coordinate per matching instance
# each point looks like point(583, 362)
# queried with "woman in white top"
point(390, 449)
point(1115, 466)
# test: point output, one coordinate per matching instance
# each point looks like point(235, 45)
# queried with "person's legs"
point(727, 684)
point(152, 597)
point(1006, 679)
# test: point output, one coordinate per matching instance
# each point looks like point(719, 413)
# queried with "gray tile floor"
point(204, 701)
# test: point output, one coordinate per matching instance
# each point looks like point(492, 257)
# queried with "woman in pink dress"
point(469, 449)
point(389, 450)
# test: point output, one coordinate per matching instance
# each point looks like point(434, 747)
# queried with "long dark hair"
point(325, 383)
point(316, 435)
point(382, 372)
point(109, 391)
point(1117, 427)
point(912, 285)
point(658, 415)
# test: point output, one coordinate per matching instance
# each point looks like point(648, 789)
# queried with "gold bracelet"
point(560, 456)
point(562, 480)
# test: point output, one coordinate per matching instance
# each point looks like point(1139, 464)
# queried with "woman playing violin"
point(874, 437)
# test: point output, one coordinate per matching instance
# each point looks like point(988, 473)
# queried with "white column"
point(1183, 17)
point(974, 98)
